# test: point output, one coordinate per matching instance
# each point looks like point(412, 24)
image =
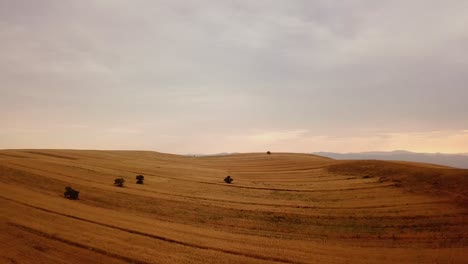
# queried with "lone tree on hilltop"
point(140, 179)
point(268, 152)
point(119, 182)
point(70, 193)
point(228, 179)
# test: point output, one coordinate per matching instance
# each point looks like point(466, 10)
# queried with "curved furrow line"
point(292, 206)
point(240, 202)
point(231, 185)
point(52, 172)
point(272, 189)
point(161, 238)
point(253, 203)
point(76, 244)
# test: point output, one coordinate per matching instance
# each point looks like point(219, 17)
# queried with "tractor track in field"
point(76, 244)
point(285, 208)
point(153, 236)
point(240, 202)
point(257, 188)
point(216, 183)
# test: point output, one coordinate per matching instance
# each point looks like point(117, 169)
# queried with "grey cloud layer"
point(185, 68)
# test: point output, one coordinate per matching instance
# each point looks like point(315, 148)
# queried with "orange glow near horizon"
point(284, 141)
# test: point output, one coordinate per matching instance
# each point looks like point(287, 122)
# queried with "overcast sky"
point(234, 76)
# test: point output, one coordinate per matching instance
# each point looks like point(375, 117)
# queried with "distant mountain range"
point(452, 160)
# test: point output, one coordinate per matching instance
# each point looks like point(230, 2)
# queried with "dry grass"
point(287, 208)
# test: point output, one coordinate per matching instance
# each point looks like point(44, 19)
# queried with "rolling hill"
point(452, 160)
point(281, 208)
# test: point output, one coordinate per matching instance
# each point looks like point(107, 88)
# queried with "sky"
point(212, 76)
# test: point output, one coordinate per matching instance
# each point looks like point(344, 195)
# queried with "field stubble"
point(286, 208)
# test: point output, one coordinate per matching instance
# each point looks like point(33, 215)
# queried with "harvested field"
point(280, 208)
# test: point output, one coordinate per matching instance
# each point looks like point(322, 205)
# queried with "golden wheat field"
point(280, 208)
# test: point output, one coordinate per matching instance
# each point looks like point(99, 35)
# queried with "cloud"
point(434, 141)
point(235, 70)
point(117, 130)
point(275, 136)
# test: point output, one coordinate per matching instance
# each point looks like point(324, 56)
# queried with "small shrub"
point(228, 179)
point(140, 179)
point(119, 182)
point(268, 152)
point(70, 193)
